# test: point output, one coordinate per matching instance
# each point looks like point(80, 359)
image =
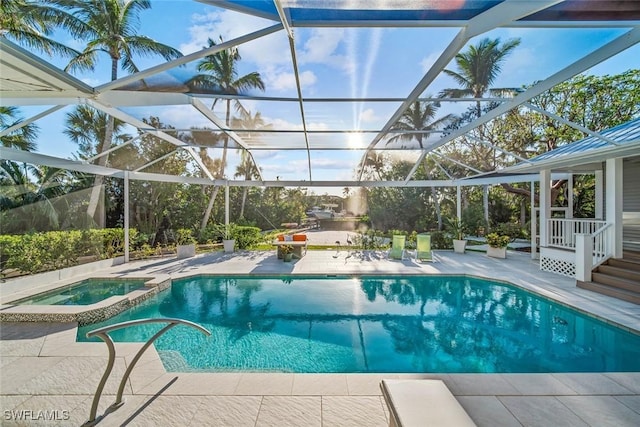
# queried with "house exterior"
point(574, 247)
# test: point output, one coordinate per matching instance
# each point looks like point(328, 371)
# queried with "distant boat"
point(320, 213)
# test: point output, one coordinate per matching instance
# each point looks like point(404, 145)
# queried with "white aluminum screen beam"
point(570, 123)
point(187, 58)
point(199, 105)
point(495, 147)
point(24, 98)
point(612, 48)
point(464, 165)
point(151, 130)
point(283, 18)
point(301, 103)
point(56, 162)
point(501, 14)
point(112, 149)
point(159, 159)
point(31, 120)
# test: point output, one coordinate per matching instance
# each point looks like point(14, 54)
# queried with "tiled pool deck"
point(42, 368)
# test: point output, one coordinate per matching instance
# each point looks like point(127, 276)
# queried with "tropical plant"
point(496, 240)
point(30, 23)
point(247, 167)
point(419, 116)
point(478, 68)
point(219, 75)
point(23, 138)
point(184, 236)
point(110, 27)
point(457, 228)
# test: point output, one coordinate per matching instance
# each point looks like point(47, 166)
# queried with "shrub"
point(512, 230)
point(246, 237)
point(184, 236)
point(439, 240)
point(496, 240)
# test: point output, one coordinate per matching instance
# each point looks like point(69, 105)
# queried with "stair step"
point(624, 263)
point(623, 273)
point(616, 282)
point(622, 294)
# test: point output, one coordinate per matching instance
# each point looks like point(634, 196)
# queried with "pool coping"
point(82, 314)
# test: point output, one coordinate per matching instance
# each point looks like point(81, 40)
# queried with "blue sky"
point(333, 62)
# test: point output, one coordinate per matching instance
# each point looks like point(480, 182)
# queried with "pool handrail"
point(103, 334)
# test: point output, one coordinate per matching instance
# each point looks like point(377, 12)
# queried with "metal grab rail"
point(102, 333)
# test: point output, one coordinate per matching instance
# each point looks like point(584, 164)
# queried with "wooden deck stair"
point(618, 278)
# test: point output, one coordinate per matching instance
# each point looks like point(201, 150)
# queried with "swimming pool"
point(375, 324)
point(86, 292)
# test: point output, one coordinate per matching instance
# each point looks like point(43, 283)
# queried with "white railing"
point(576, 246)
point(602, 241)
point(562, 231)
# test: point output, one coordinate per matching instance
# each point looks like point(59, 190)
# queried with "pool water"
point(374, 324)
point(86, 292)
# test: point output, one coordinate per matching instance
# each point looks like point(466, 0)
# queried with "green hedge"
point(51, 250)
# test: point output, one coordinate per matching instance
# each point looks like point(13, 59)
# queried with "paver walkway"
point(44, 372)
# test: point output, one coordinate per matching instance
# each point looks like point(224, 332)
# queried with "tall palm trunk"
point(244, 199)
point(97, 191)
point(220, 174)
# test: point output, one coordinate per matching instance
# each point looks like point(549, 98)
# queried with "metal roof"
point(26, 80)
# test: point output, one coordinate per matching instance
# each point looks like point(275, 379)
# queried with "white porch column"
point(614, 202)
point(584, 257)
point(126, 216)
point(569, 197)
point(599, 213)
point(545, 205)
point(534, 222)
point(458, 202)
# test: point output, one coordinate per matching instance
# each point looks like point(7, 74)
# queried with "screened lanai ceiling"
point(337, 75)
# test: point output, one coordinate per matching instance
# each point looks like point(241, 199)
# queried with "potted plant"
point(287, 252)
point(458, 229)
point(497, 245)
point(185, 243)
point(227, 233)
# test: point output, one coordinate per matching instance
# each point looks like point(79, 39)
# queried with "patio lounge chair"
point(397, 247)
point(423, 247)
point(418, 403)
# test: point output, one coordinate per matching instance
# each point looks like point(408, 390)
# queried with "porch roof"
point(588, 153)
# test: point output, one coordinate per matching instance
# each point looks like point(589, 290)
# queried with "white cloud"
point(368, 116)
point(428, 61)
point(322, 47)
point(332, 164)
point(276, 79)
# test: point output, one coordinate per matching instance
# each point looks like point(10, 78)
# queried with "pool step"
point(619, 278)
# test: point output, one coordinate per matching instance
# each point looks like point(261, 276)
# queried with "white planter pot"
point(186, 251)
point(497, 252)
point(459, 246)
point(228, 245)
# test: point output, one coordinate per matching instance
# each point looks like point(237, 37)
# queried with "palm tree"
point(111, 27)
point(31, 23)
point(29, 205)
point(478, 69)
point(219, 74)
point(247, 167)
point(420, 117)
point(23, 138)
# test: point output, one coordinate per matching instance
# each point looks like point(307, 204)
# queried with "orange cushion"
point(281, 238)
point(299, 237)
